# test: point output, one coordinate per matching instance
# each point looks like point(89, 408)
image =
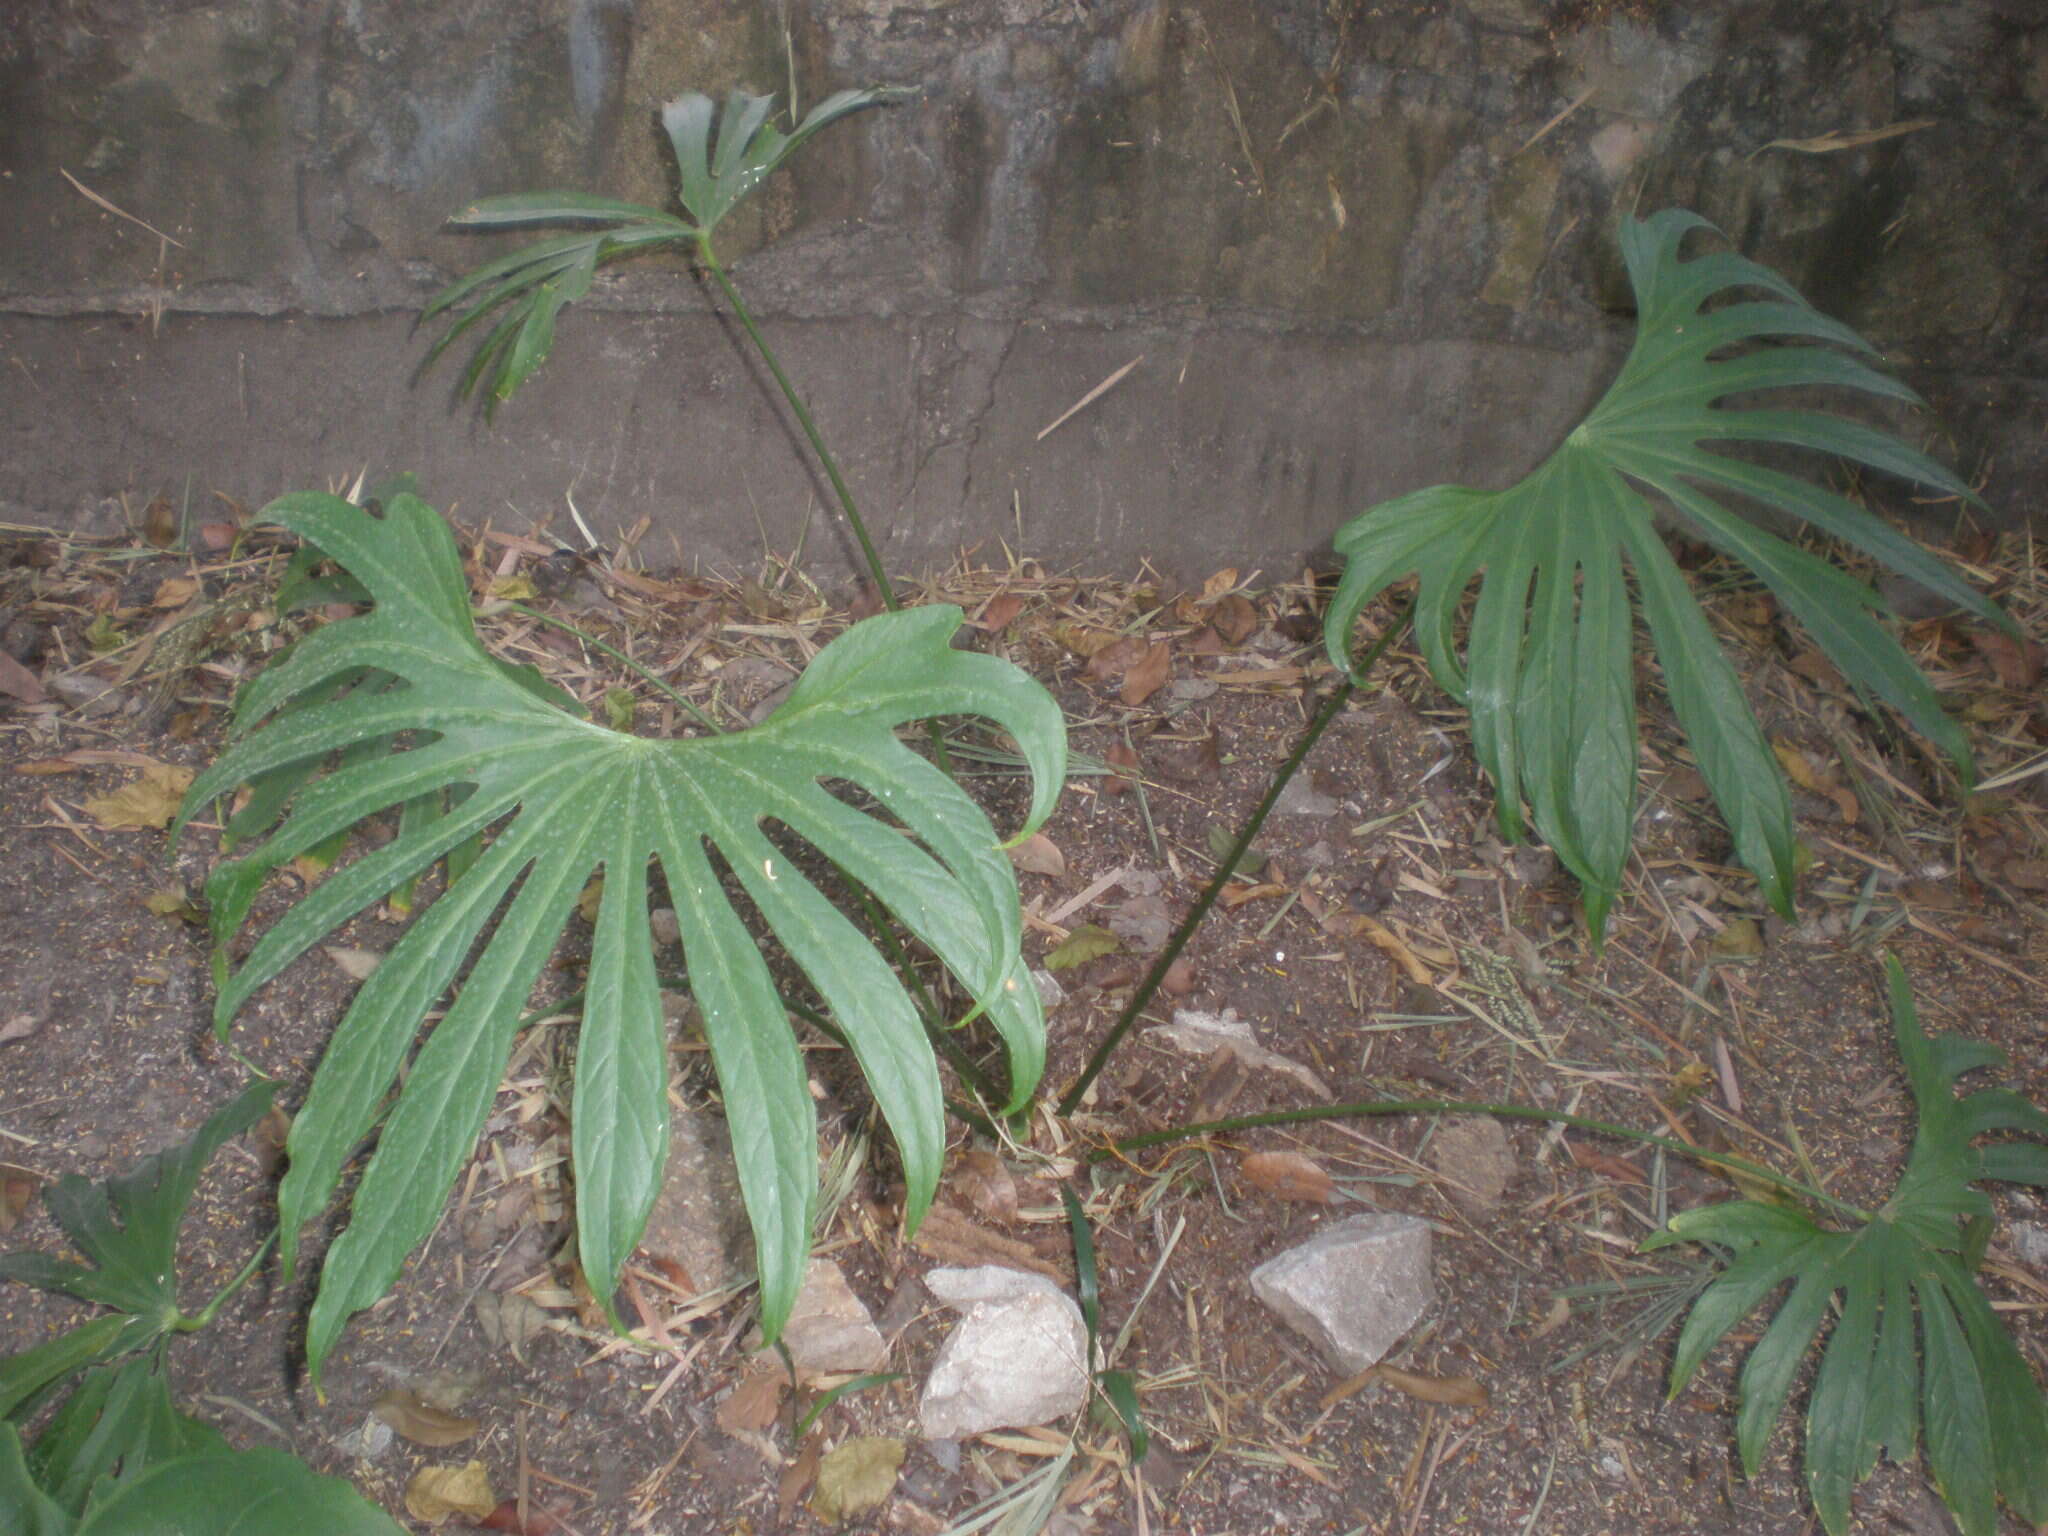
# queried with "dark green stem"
point(193, 1324)
point(1466, 1107)
point(1332, 707)
point(803, 416)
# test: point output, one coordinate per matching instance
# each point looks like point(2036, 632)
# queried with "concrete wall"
point(1354, 244)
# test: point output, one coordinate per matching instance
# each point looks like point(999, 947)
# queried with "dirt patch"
point(1382, 943)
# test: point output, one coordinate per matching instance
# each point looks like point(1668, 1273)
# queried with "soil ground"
point(1387, 944)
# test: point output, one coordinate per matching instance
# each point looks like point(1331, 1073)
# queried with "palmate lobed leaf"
point(568, 798)
point(523, 291)
point(1880, 1380)
point(1547, 671)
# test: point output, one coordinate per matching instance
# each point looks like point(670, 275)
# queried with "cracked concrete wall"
point(1359, 247)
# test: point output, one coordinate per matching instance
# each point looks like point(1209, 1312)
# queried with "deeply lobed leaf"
point(567, 798)
point(1985, 1420)
point(522, 292)
point(1547, 670)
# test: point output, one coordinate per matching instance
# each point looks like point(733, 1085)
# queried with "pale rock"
point(830, 1328)
point(1354, 1288)
point(1473, 1155)
point(1301, 798)
point(1050, 993)
point(1019, 1356)
point(698, 1222)
point(1202, 1034)
point(2030, 1242)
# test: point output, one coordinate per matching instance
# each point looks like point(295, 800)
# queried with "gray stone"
point(1301, 798)
point(830, 1328)
point(1354, 1288)
point(699, 1223)
point(1473, 1155)
point(1019, 1356)
point(2030, 1242)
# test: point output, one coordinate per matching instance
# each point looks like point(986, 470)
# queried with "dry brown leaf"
point(1817, 669)
point(1359, 925)
point(1449, 1391)
point(1560, 1312)
point(1838, 139)
point(1085, 640)
point(1606, 1164)
point(1123, 756)
point(987, 1184)
point(1685, 784)
point(2027, 874)
point(435, 1493)
point(18, 681)
point(1000, 611)
point(1039, 855)
point(752, 1405)
point(160, 522)
point(1290, 1176)
point(856, 1477)
point(796, 1479)
point(18, 1187)
point(1147, 675)
point(1238, 895)
point(1800, 767)
point(539, 1521)
point(1179, 979)
point(1740, 938)
point(1219, 584)
point(1235, 618)
point(175, 592)
point(421, 1422)
point(2015, 663)
point(151, 801)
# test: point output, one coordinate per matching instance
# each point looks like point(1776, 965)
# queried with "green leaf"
point(1985, 1419)
point(1547, 669)
point(563, 797)
point(522, 292)
point(1121, 1389)
point(236, 1493)
point(24, 1508)
point(749, 146)
point(133, 1257)
point(1088, 942)
point(24, 1376)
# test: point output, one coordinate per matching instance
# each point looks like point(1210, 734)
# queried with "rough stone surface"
point(1354, 1288)
point(1019, 1356)
point(1473, 1155)
point(830, 1328)
point(699, 1223)
point(1413, 281)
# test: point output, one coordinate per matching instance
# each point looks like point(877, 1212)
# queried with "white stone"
point(1354, 1288)
point(1019, 1356)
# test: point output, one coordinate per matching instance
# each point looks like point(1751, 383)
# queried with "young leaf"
point(566, 798)
point(749, 145)
point(1547, 667)
point(526, 289)
point(1986, 1422)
